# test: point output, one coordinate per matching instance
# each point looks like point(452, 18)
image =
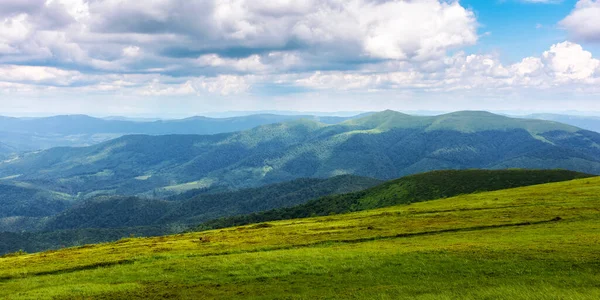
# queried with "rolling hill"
point(383, 145)
point(405, 190)
point(532, 242)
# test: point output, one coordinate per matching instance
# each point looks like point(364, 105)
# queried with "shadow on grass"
point(70, 270)
point(267, 249)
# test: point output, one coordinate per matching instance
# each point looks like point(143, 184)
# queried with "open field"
point(537, 242)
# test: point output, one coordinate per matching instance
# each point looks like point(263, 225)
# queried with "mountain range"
point(31, 134)
point(383, 145)
point(585, 122)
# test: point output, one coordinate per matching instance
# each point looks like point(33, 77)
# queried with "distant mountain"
point(406, 190)
point(384, 145)
point(585, 122)
point(30, 134)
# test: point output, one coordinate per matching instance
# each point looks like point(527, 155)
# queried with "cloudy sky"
point(182, 57)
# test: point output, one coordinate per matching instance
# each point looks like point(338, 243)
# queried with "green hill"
point(537, 242)
point(406, 190)
point(383, 145)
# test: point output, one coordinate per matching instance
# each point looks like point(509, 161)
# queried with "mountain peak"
point(386, 120)
point(474, 121)
point(472, 113)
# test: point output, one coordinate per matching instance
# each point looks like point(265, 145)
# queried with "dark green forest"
point(107, 218)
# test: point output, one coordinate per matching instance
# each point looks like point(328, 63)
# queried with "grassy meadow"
point(536, 242)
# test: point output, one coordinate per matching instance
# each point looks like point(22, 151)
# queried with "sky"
point(166, 58)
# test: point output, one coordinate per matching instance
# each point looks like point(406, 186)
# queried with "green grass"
point(405, 190)
point(505, 244)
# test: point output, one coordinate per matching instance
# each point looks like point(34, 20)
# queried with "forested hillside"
point(52, 223)
point(384, 145)
point(30, 202)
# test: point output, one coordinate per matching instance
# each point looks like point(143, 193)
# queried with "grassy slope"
point(505, 244)
point(409, 189)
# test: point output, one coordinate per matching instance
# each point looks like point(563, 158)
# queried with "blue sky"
point(521, 28)
point(171, 58)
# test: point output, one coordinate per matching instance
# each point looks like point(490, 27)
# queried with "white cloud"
point(77, 9)
point(583, 23)
point(568, 61)
point(34, 74)
point(252, 63)
point(223, 85)
point(335, 29)
point(131, 51)
point(529, 66)
point(13, 30)
point(565, 64)
point(420, 29)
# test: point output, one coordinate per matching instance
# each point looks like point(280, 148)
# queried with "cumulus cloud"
point(382, 29)
point(564, 63)
point(223, 85)
point(223, 48)
point(568, 61)
point(35, 74)
point(355, 30)
point(583, 23)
